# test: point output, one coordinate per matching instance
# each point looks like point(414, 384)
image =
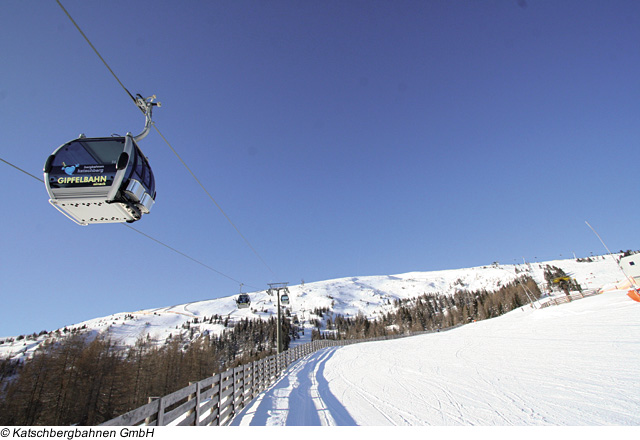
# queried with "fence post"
point(245, 379)
point(220, 399)
point(234, 387)
point(196, 410)
point(260, 377)
point(278, 364)
point(268, 370)
point(147, 421)
point(253, 379)
point(160, 420)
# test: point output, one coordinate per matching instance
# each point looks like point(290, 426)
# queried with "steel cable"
point(145, 235)
point(166, 141)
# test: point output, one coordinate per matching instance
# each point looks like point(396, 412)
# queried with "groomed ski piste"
point(575, 364)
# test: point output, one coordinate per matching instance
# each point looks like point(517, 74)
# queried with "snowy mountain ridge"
point(370, 296)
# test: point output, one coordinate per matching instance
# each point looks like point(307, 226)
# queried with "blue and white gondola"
point(102, 180)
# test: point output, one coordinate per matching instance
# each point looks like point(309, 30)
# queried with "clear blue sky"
point(343, 138)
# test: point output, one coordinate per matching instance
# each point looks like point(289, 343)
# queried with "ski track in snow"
point(573, 364)
point(300, 398)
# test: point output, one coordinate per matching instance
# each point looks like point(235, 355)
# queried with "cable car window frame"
point(142, 171)
point(85, 162)
point(89, 154)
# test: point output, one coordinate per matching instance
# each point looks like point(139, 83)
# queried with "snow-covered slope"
point(369, 295)
point(572, 364)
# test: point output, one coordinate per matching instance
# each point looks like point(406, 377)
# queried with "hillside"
point(370, 296)
point(568, 365)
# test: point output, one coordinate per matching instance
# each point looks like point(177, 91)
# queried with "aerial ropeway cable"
point(107, 180)
point(132, 215)
point(139, 232)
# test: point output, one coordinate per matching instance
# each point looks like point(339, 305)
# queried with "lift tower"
point(275, 289)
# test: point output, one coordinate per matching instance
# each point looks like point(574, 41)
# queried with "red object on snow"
point(634, 295)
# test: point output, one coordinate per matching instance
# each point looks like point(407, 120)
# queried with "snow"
point(574, 364)
point(367, 295)
point(568, 365)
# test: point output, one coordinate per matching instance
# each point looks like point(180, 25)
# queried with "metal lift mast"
point(276, 288)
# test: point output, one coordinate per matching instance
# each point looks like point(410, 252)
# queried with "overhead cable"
point(183, 254)
point(143, 234)
point(21, 170)
point(166, 141)
point(96, 51)
point(212, 199)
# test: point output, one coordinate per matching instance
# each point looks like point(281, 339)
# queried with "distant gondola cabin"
point(243, 301)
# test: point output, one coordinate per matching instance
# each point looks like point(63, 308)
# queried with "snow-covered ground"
point(567, 365)
point(367, 295)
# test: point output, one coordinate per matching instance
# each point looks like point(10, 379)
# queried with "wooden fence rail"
point(216, 399)
point(567, 298)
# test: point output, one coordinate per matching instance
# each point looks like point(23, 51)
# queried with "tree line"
point(81, 381)
point(434, 311)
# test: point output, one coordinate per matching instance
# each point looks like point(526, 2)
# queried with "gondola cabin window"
point(103, 151)
point(142, 172)
point(85, 163)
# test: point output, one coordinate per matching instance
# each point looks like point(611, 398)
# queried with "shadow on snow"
point(301, 398)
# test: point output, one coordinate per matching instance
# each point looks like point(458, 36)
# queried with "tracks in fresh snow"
point(301, 398)
point(572, 365)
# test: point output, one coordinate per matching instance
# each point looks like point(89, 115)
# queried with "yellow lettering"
point(95, 180)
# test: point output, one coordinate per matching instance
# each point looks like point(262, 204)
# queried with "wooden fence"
point(216, 399)
point(567, 298)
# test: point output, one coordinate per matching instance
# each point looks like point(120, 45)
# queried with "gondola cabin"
point(243, 301)
point(100, 180)
point(284, 299)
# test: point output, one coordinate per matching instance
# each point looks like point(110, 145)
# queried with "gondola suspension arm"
point(146, 105)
